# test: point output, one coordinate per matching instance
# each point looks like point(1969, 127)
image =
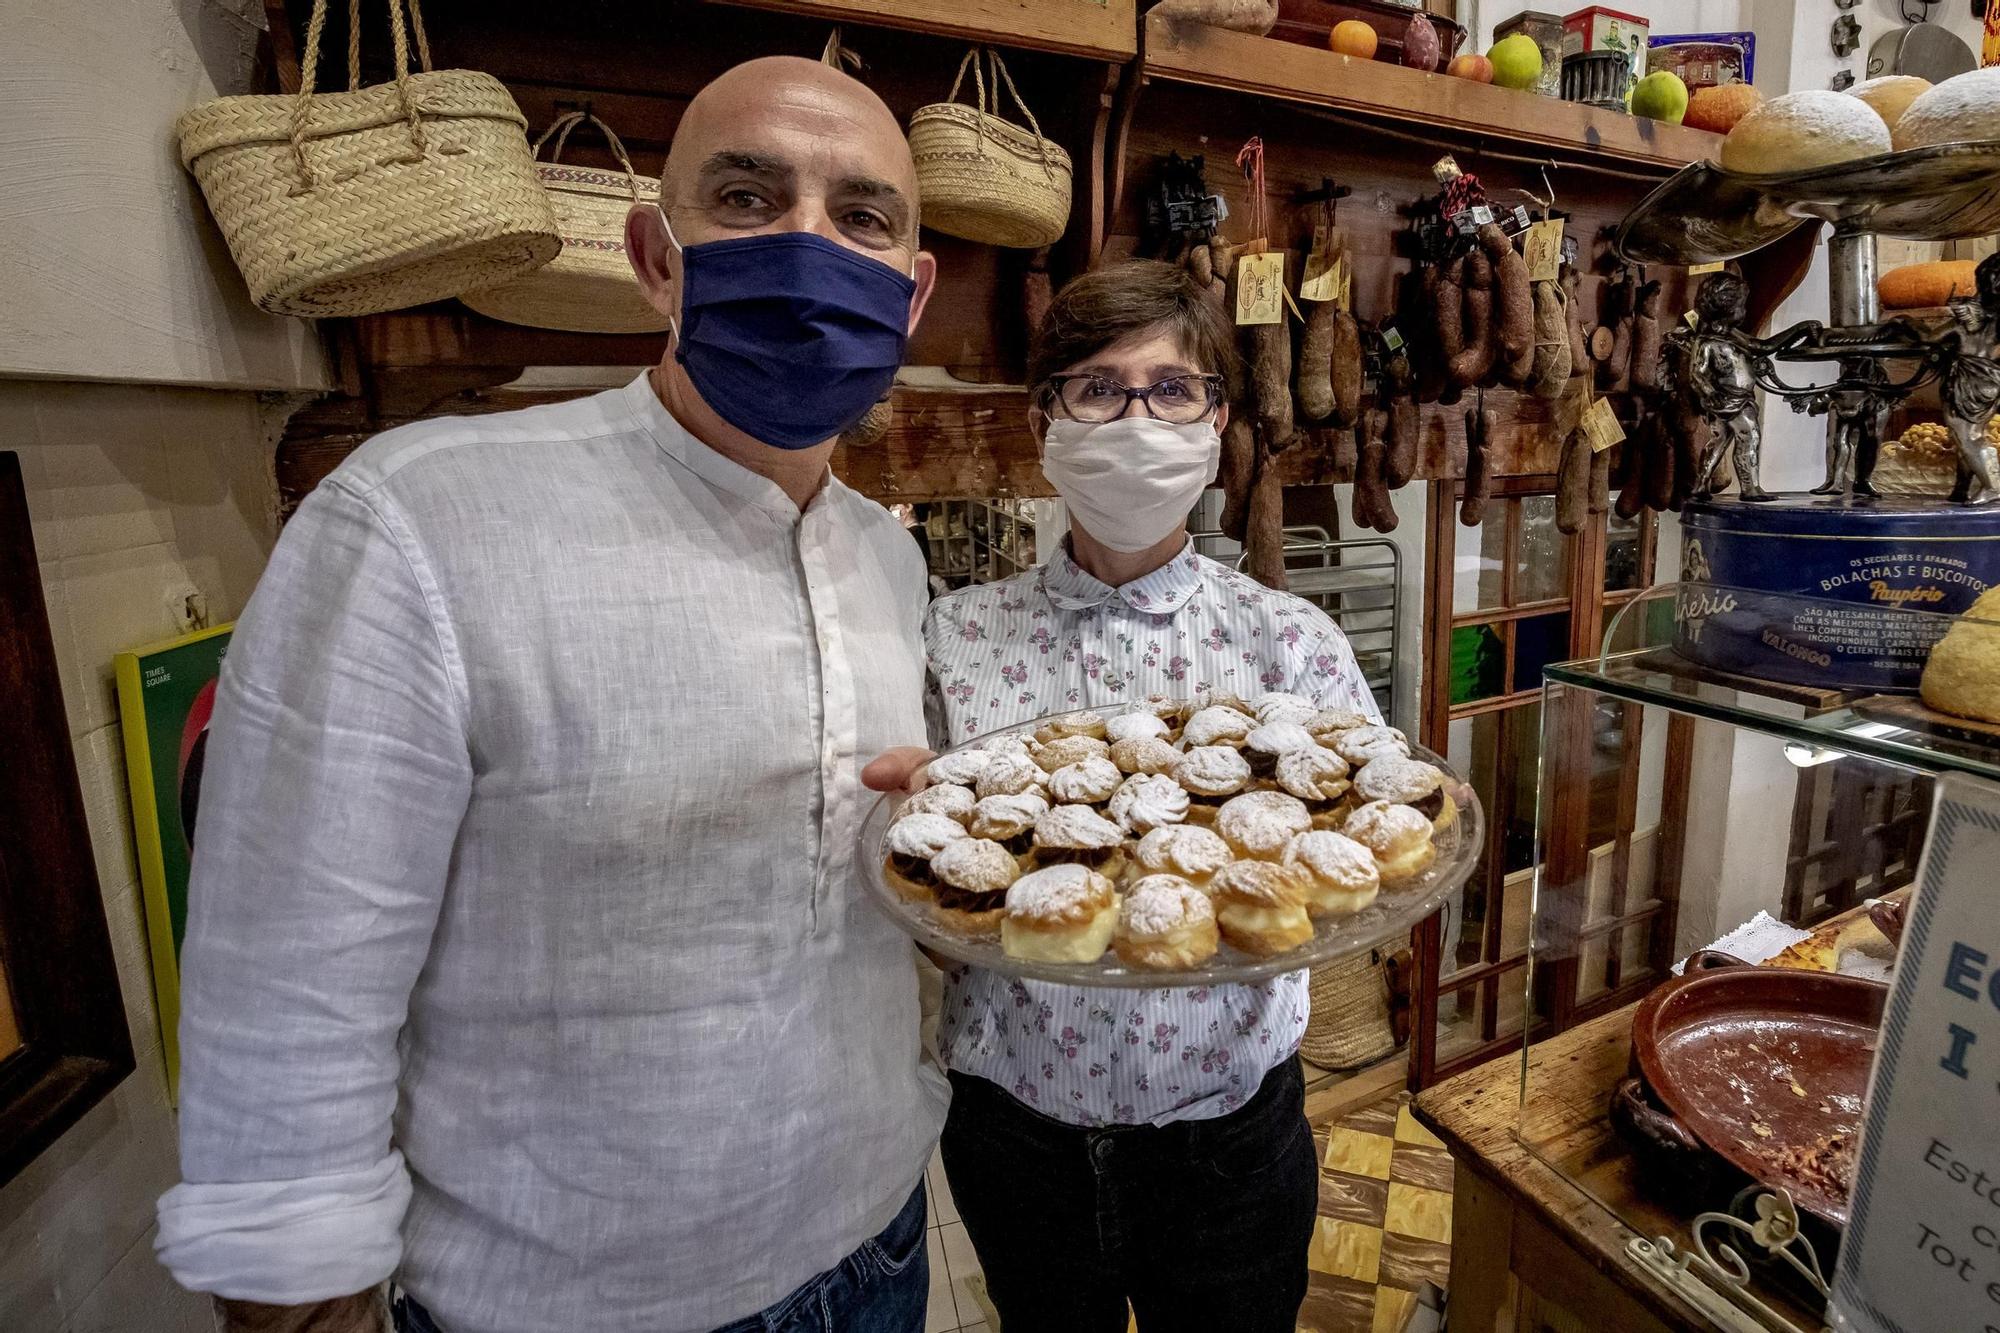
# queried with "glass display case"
point(1691, 823)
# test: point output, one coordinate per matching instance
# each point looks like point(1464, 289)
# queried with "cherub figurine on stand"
point(1970, 383)
point(1855, 435)
point(1723, 386)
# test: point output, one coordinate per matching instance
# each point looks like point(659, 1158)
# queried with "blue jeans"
point(882, 1287)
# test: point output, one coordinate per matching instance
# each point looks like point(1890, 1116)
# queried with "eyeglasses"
point(1178, 399)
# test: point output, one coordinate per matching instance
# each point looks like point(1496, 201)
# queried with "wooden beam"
point(1497, 117)
point(1099, 29)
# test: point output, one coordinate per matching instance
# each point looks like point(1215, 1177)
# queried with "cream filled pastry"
point(1399, 837)
point(1405, 781)
point(1319, 778)
point(913, 840)
point(1362, 744)
point(1009, 820)
point(1009, 775)
point(1135, 726)
point(1165, 922)
point(1216, 725)
point(1144, 754)
point(1087, 782)
point(1066, 750)
point(944, 799)
point(1187, 850)
point(1211, 774)
point(1064, 914)
point(1071, 724)
point(1264, 744)
point(972, 880)
point(1342, 872)
point(1078, 834)
point(1330, 722)
point(1261, 824)
point(1281, 707)
point(961, 767)
point(1148, 801)
point(1261, 906)
point(1007, 742)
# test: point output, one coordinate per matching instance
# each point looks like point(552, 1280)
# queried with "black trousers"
point(1202, 1225)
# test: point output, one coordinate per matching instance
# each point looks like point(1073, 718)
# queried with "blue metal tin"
point(1820, 592)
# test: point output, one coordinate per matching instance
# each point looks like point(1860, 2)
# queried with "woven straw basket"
point(589, 287)
point(375, 198)
point(1349, 1026)
point(984, 178)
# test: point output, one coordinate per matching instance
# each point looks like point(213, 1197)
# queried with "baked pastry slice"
point(1165, 922)
point(1144, 754)
point(1187, 850)
point(1319, 778)
point(1009, 820)
point(961, 767)
point(1264, 744)
point(973, 876)
point(1405, 781)
point(1216, 725)
point(1066, 750)
point(1136, 726)
point(1087, 782)
point(946, 798)
point(1083, 723)
point(1063, 914)
point(1148, 801)
point(1210, 774)
point(1009, 775)
point(1399, 837)
point(1260, 906)
point(913, 840)
point(1281, 707)
point(1361, 744)
point(1078, 835)
point(1342, 872)
point(1261, 824)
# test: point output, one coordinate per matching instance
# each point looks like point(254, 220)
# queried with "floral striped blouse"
point(1055, 638)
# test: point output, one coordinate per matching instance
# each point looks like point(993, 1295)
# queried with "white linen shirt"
point(525, 888)
point(1055, 638)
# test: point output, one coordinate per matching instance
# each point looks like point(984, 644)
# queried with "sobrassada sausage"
point(1315, 369)
point(1573, 483)
point(1237, 473)
point(1346, 369)
point(1265, 538)
point(1474, 361)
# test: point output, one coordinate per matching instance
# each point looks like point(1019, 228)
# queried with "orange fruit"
point(1353, 38)
point(1719, 108)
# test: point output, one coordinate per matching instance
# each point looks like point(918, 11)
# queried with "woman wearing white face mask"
point(1114, 1146)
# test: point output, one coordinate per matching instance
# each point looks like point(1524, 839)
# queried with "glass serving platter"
point(1391, 915)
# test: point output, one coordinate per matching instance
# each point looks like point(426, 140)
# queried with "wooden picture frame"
point(72, 1046)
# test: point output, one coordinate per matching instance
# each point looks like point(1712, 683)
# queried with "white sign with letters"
point(1922, 1254)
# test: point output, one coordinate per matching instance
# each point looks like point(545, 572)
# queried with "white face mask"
point(1129, 483)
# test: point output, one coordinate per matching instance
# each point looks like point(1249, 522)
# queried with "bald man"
point(525, 961)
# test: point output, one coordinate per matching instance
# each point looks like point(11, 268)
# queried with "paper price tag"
point(1696, 270)
point(1543, 249)
point(1324, 265)
point(1600, 423)
point(1392, 339)
point(1693, 320)
point(1482, 214)
point(1260, 288)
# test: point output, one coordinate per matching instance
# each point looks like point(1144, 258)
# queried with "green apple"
point(1660, 96)
point(1517, 61)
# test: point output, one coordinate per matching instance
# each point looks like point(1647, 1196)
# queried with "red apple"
point(1477, 68)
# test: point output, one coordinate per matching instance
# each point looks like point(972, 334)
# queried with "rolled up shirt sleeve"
point(337, 776)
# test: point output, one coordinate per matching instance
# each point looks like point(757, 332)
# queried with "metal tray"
point(1703, 214)
point(1391, 915)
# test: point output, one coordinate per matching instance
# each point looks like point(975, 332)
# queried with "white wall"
point(111, 268)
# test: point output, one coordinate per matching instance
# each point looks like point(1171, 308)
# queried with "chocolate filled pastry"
point(1399, 837)
point(1217, 724)
point(972, 877)
point(1281, 707)
point(1144, 754)
point(1210, 774)
point(1148, 801)
point(1261, 906)
point(1165, 922)
point(1319, 778)
point(1362, 744)
point(960, 768)
point(1187, 850)
point(1330, 722)
point(945, 798)
point(1410, 782)
point(1261, 824)
point(1343, 873)
point(1009, 775)
point(1136, 726)
point(1083, 723)
point(1067, 750)
point(1064, 914)
point(1088, 782)
point(1009, 820)
point(1263, 745)
point(1078, 835)
point(913, 841)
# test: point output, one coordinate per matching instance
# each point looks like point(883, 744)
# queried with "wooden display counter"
point(1531, 1250)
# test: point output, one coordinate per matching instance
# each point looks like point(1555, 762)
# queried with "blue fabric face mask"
point(787, 336)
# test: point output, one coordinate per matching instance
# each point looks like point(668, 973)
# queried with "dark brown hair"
point(1111, 304)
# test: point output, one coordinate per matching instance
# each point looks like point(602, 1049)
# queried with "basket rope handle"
point(405, 96)
point(1000, 76)
point(1000, 69)
point(568, 121)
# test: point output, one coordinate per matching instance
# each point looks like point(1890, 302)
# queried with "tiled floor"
point(1384, 1230)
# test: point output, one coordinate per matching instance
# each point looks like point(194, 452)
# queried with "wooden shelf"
point(1442, 105)
point(1095, 29)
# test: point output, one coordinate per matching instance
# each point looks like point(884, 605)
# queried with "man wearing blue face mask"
point(525, 963)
